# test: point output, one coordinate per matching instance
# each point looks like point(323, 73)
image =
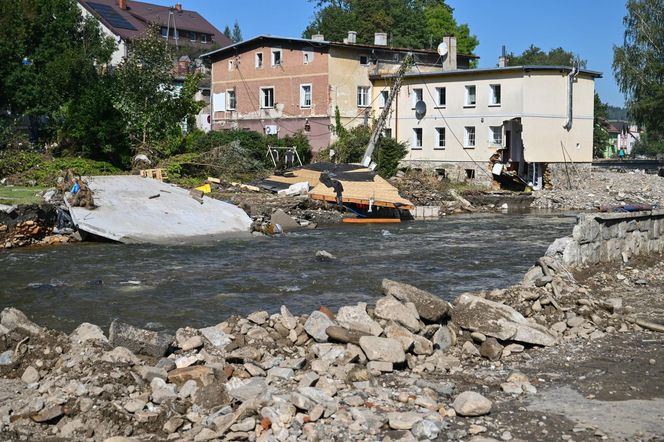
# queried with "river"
point(166, 287)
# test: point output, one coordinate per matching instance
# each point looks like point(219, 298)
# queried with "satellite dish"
point(442, 49)
point(420, 109)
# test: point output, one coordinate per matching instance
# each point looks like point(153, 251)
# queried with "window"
point(308, 55)
point(364, 60)
point(267, 97)
point(417, 96)
point(231, 65)
point(276, 57)
point(470, 174)
point(417, 138)
point(384, 95)
point(440, 138)
point(441, 97)
point(164, 32)
point(387, 133)
point(496, 135)
point(204, 38)
point(305, 95)
point(192, 36)
point(230, 96)
point(495, 95)
point(469, 136)
point(363, 96)
point(259, 60)
point(471, 96)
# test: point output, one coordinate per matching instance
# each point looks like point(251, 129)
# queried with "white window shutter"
point(219, 102)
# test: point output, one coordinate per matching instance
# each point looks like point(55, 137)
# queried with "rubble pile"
point(383, 371)
point(29, 225)
point(605, 189)
point(426, 189)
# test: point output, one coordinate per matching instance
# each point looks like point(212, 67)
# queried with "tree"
point(409, 23)
point(536, 56)
point(236, 37)
point(227, 32)
point(600, 127)
point(639, 69)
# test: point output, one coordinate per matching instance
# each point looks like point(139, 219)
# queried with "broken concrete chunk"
point(382, 349)
point(200, 374)
point(12, 318)
point(316, 325)
point(87, 332)
point(430, 308)
point(139, 341)
point(491, 349)
point(284, 220)
point(390, 309)
point(357, 318)
point(340, 334)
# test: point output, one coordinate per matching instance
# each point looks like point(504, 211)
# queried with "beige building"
point(533, 121)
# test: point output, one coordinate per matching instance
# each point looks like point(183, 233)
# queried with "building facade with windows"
point(526, 118)
point(283, 86)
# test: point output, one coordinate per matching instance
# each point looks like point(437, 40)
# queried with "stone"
point(247, 424)
point(403, 420)
point(444, 338)
point(491, 349)
point(120, 355)
point(138, 340)
point(426, 430)
point(511, 388)
point(285, 221)
point(134, 405)
point(340, 334)
point(215, 336)
point(422, 346)
point(382, 349)
point(87, 332)
point(192, 343)
point(244, 354)
point(187, 360)
point(357, 318)
point(166, 364)
point(576, 321)
point(323, 256)
point(161, 391)
point(559, 327)
point(6, 357)
point(30, 375)
point(430, 308)
point(48, 414)
point(259, 318)
point(514, 348)
point(316, 325)
point(280, 372)
point(308, 379)
point(148, 373)
point(211, 396)
point(254, 388)
point(389, 308)
point(173, 424)
point(287, 319)
point(469, 349)
point(200, 374)
point(12, 319)
point(301, 402)
point(471, 403)
point(385, 367)
point(188, 389)
point(498, 320)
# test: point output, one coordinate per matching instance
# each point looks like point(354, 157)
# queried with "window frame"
point(262, 95)
point(493, 95)
point(467, 95)
point(204, 38)
point(418, 138)
point(367, 96)
point(259, 56)
point(230, 92)
point(415, 96)
point(366, 57)
point(303, 95)
point(492, 134)
point(440, 105)
point(273, 58)
point(439, 131)
point(467, 136)
point(310, 52)
point(384, 96)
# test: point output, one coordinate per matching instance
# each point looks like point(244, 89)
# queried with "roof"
point(236, 46)
point(131, 22)
point(527, 68)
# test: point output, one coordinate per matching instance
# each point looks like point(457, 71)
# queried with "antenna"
point(420, 109)
point(443, 49)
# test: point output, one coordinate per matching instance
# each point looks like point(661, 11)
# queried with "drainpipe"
point(570, 95)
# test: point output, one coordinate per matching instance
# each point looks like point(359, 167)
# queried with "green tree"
point(236, 37)
point(409, 23)
point(600, 127)
point(536, 56)
point(639, 69)
point(227, 32)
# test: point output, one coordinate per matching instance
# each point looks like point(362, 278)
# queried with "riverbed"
point(166, 287)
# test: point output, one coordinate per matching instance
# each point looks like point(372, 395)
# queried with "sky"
point(589, 28)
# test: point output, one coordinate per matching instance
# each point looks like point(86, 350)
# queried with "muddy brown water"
point(166, 287)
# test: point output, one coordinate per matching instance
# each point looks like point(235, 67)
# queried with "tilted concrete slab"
point(126, 213)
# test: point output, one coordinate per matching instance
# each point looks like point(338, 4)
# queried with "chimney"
point(380, 39)
point(122, 4)
point(352, 37)
point(450, 60)
point(502, 60)
point(178, 7)
point(318, 37)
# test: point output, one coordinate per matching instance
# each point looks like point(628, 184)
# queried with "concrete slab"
point(126, 213)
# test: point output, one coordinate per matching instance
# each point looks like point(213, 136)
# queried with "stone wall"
point(568, 175)
point(456, 171)
point(611, 237)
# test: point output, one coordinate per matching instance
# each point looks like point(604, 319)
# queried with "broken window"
point(308, 55)
point(471, 96)
point(267, 97)
point(276, 57)
point(305, 95)
point(496, 135)
point(259, 60)
point(470, 174)
point(384, 95)
point(363, 96)
point(417, 96)
point(441, 97)
point(469, 136)
point(417, 138)
point(440, 138)
point(495, 95)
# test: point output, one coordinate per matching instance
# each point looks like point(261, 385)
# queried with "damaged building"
point(509, 125)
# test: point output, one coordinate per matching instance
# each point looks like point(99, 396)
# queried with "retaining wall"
point(611, 237)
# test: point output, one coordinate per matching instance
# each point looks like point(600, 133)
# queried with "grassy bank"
point(20, 195)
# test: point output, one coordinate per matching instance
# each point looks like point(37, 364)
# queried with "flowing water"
point(166, 287)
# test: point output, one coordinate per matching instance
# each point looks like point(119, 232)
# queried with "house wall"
point(247, 80)
point(120, 45)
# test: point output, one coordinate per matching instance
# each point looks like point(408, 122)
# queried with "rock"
point(422, 346)
point(247, 424)
point(200, 374)
point(469, 349)
point(12, 319)
point(259, 318)
point(576, 321)
point(137, 340)
point(491, 349)
point(559, 327)
point(426, 430)
point(6, 357)
point(30, 375)
point(253, 389)
point(470, 403)
point(287, 222)
point(385, 367)
point(340, 334)
point(382, 349)
point(543, 280)
point(120, 355)
point(403, 421)
point(192, 343)
point(280, 372)
point(511, 388)
point(48, 414)
point(188, 389)
point(134, 405)
point(287, 319)
point(211, 396)
point(215, 336)
point(148, 373)
point(87, 332)
point(316, 325)
point(357, 318)
point(429, 307)
point(498, 320)
point(301, 402)
point(173, 424)
point(401, 334)
point(244, 354)
point(389, 308)
point(444, 338)
point(166, 364)
point(322, 256)
point(161, 391)
point(308, 379)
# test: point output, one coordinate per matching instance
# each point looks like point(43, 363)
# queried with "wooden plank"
point(371, 220)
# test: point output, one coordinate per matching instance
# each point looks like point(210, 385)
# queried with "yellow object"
point(205, 188)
